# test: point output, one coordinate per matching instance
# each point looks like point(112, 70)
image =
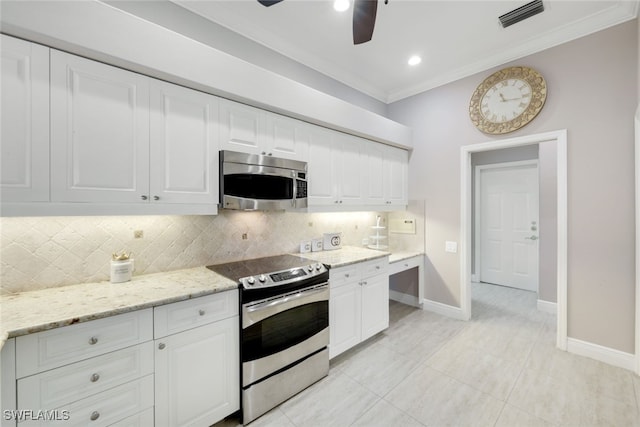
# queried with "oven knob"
point(310, 268)
point(251, 280)
point(318, 266)
point(262, 278)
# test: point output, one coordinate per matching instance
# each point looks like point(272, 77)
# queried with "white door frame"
point(560, 138)
point(476, 204)
point(637, 173)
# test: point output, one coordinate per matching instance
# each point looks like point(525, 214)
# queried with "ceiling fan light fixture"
point(341, 5)
point(414, 60)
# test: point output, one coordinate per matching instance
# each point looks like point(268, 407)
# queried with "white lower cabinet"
point(197, 369)
point(111, 371)
point(358, 303)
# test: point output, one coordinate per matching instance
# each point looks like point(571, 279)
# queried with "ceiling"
point(454, 38)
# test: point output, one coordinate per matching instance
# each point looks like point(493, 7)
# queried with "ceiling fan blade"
point(364, 19)
point(268, 2)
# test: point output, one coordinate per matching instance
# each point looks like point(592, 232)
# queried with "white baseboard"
point(404, 298)
point(603, 354)
point(443, 309)
point(474, 278)
point(547, 306)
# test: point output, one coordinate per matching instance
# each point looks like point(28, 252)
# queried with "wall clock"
point(507, 100)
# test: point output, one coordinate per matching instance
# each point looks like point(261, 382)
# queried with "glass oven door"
point(280, 331)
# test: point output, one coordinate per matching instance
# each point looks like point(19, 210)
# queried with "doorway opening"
point(559, 141)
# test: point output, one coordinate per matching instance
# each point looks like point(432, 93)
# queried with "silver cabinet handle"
point(201, 312)
point(94, 415)
point(161, 346)
point(95, 377)
point(143, 197)
point(532, 238)
point(156, 197)
point(93, 341)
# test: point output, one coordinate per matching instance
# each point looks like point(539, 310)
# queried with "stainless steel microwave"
point(259, 182)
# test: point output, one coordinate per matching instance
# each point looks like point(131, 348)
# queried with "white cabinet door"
point(322, 177)
point(184, 152)
point(24, 126)
point(396, 165)
point(287, 138)
point(99, 132)
point(350, 164)
point(197, 375)
point(375, 305)
point(345, 307)
point(375, 179)
point(242, 128)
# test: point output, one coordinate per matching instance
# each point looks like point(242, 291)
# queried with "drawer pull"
point(377, 267)
point(94, 415)
point(93, 340)
point(201, 312)
point(95, 377)
point(161, 346)
point(346, 275)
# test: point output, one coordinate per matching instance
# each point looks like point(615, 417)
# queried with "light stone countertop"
point(29, 312)
point(345, 256)
point(401, 256)
point(35, 311)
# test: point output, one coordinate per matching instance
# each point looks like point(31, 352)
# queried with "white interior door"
point(508, 226)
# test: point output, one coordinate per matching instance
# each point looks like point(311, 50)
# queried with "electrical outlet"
point(138, 234)
point(245, 236)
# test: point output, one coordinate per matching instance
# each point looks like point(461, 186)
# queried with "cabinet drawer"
point(374, 267)
point(107, 408)
point(342, 275)
point(180, 316)
point(143, 419)
point(57, 347)
point(57, 387)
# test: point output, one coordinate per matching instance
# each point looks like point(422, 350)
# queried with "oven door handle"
point(259, 311)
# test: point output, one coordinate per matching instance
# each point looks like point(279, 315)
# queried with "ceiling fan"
point(364, 18)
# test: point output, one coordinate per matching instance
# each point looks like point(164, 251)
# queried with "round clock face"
point(507, 100)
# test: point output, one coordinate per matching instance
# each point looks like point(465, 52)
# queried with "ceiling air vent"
point(521, 13)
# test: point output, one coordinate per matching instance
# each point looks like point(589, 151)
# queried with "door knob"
point(532, 238)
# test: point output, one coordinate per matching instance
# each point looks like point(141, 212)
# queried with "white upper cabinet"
point(242, 128)
point(323, 179)
point(350, 167)
point(336, 169)
point(287, 138)
point(396, 180)
point(254, 131)
point(184, 150)
point(24, 139)
point(99, 132)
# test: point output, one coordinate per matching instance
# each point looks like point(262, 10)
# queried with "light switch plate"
point(451, 247)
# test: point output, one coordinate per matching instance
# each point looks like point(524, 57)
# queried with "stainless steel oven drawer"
point(265, 395)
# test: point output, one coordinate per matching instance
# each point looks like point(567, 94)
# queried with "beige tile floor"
point(499, 369)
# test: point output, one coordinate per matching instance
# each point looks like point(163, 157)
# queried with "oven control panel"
point(283, 277)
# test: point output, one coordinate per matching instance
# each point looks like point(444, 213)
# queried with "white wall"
point(592, 84)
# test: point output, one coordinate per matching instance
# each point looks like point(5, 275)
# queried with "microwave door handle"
point(295, 188)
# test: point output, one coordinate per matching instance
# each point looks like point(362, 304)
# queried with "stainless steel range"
point(284, 328)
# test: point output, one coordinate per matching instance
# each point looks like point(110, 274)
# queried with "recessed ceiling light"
point(341, 5)
point(414, 60)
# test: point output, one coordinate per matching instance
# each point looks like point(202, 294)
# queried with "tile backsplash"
point(47, 252)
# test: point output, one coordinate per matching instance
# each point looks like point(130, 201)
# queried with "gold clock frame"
point(538, 98)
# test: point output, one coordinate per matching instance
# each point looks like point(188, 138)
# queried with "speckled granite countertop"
point(36, 311)
point(345, 256)
point(400, 256)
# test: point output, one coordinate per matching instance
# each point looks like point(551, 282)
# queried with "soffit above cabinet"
point(144, 47)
